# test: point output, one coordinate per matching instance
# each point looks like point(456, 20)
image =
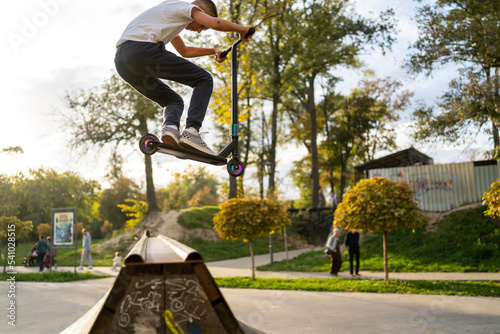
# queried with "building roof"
point(408, 157)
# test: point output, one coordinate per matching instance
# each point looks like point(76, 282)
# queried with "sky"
point(51, 47)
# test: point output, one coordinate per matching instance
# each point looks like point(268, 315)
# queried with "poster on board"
point(64, 223)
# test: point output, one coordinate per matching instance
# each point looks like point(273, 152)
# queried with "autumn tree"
point(247, 219)
point(465, 33)
point(324, 50)
point(135, 210)
point(379, 205)
point(192, 187)
point(44, 229)
point(121, 189)
point(113, 116)
point(491, 198)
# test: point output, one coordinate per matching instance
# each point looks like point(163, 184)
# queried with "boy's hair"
point(209, 5)
point(117, 254)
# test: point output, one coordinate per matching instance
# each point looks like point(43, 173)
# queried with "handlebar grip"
point(224, 53)
point(250, 32)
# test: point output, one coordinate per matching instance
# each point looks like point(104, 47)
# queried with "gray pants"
point(86, 256)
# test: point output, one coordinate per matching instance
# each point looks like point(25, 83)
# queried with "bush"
point(43, 229)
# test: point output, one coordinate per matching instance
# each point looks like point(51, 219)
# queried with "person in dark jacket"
point(41, 249)
point(352, 244)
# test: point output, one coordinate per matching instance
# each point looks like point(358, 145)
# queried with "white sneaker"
point(170, 136)
point(80, 268)
point(194, 141)
point(90, 267)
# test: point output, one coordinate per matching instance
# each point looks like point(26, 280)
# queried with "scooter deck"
point(187, 153)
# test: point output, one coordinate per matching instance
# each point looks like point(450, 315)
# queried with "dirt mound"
point(158, 223)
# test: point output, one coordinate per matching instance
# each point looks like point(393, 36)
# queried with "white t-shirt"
point(159, 24)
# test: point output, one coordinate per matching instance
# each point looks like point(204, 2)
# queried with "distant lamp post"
point(268, 167)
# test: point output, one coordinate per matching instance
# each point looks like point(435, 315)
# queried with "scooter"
point(150, 144)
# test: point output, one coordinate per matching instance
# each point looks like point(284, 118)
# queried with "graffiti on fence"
point(423, 185)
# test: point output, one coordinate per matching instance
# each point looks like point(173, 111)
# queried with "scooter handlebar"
point(224, 53)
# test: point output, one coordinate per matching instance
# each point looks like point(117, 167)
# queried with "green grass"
point(63, 276)
point(486, 289)
point(232, 249)
point(201, 217)
point(464, 241)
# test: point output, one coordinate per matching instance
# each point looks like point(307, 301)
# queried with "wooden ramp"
point(164, 287)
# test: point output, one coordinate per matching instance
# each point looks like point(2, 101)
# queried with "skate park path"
point(51, 307)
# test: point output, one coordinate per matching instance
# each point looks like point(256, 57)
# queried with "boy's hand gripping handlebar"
point(224, 53)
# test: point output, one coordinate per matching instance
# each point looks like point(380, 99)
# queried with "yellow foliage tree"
point(138, 210)
point(379, 205)
point(247, 219)
point(491, 198)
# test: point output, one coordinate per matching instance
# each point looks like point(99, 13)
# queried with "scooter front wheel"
point(146, 144)
point(235, 167)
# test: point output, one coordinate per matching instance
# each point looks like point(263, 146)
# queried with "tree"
point(491, 198)
point(11, 230)
point(379, 205)
point(12, 150)
point(326, 49)
point(247, 219)
point(137, 210)
point(43, 229)
point(358, 125)
point(121, 189)
point(9, 205)
point(353, 128)
point(45, 189)
point(115, 115)
point(193, 187)
point(465, 33)
point(106, 228)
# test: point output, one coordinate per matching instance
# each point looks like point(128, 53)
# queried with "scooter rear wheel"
point(235, 167)
point(145, 144)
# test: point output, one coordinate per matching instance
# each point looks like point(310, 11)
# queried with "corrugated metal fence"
point(444, 187)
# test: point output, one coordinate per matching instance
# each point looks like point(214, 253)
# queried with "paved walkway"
point(242, 267)
point(52, 307)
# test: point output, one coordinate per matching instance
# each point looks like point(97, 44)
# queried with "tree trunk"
point(314, 145)
point(233, 187)
point(274, 144)
point(386, 264)
point(253, 261)
point(343, 172)
point(150, 187)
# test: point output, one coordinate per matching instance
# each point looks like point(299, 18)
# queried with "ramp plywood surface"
point(165, 287)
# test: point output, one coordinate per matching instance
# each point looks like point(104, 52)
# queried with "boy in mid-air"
point(141, 60)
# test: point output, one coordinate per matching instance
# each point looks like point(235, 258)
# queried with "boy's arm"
point(219, 24)
point(191, 51)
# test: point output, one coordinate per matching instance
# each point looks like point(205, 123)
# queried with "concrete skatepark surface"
point(52, 307)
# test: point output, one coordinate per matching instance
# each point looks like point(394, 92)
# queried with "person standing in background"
point(87, 244)
point(352, 244)
point(333, 250)
point(41, 249)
